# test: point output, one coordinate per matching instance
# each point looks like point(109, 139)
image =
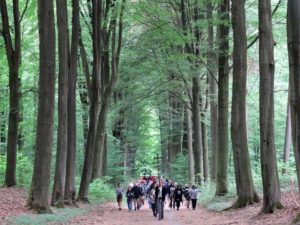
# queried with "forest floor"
point(14, 211)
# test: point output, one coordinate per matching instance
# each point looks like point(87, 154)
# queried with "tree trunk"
point(70, 188)
point(204, 138)
point(211, 63)
point(94, 106)
point(38, 198)
point(288, 137)
point(271, 188)
point(20, 130)
point(197, 147)
point(222, 159)
point(189, 131)
point(108, 83)
point(3, 128)
point(84, 89)
point(163, 141)
point(293, 29)
point(62, 132)
point(13, 53)
point(244, 184)
point(104, 160)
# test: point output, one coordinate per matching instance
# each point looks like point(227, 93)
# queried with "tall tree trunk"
point(13, 53)
point(204, 138)
point(108, 83)
point(293, 30)
point(189, 131)
point(62, 132)
point(271, 188)
point(244, 184)
point(94, 106)
point(38, 198)
point(20, 129)
point(84, 88)
point(104, 161)
point(288, 137)
point(163, 141)
point(2, 128)
point(70, 188)
point(197, 147)
point(222, 159)
point(212, 95)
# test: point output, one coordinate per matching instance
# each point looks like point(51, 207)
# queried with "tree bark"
point(196, 118)
point(13, 53)
point(288, 137)
point(222, 159)
point(204, 137)
point(104, 161)
point(3, 129)
point(62, 132)
point(94, 106)
point(244, 183)
point(108, 84)
point(70, 187)
point(293, 30)
point(38, 198)
point(213, 92)
point(163, 141)
point(189, 131)
point(271, 188)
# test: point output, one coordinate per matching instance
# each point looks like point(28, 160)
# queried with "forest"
point(100, 92)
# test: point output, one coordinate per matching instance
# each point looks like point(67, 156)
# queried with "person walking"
point(194, 196)
point(187, 196)
point(119, 195)
point(153, 201)
point(171, 195)
point(130, 196)
point(136, 194)
point(160, 196)
point(178, 196)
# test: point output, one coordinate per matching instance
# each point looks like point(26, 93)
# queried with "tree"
point(188, 115)
point(222, 159)
point(211, 63)
point(94, 102)
point(70, 188)
point(38, 198)
point(288, 136)
point(13, 54)
point(109, 79)
point(293, 31)
point(271, 188)
point(62, 133)
point(243, 176)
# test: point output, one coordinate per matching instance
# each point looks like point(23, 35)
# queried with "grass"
point(60, 216)
point(100, 192)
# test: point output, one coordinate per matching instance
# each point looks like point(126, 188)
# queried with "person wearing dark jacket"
point(130, 196)
point(186, 194)
point(178, 196)
point(171, 195)
point(160, 196)
point(136, 194)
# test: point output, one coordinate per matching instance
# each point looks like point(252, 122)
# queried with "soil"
point(109, 215)
point(13, 202)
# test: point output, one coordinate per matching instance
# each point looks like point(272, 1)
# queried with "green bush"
point(179, 169)
point(23, 171)
point(100, 190)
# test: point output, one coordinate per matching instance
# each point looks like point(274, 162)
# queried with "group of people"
point(157, 193)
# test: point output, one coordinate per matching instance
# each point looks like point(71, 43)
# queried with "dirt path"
point(13, 204)
point(109, 215)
